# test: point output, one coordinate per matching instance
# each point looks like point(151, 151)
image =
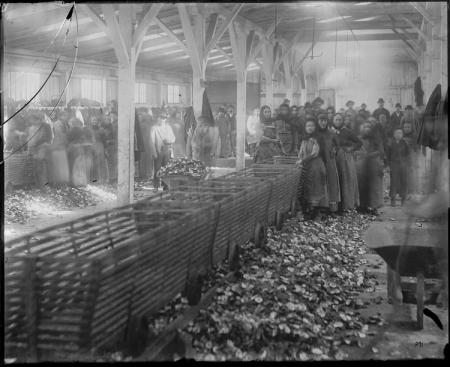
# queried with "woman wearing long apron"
point(314, 193)
point(328, 148)
point(268, 145)
point(100, 171)
point(348, 142)
point(59, 163)
point(77, 159)
point(369, 168)
point(162, 137)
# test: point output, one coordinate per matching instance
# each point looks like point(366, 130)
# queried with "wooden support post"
point(195, 40)
point(238, 40)
point(444, 46)
point(267, 51)
point(288, 84)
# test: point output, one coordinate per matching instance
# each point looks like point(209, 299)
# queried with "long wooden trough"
point(76, 286)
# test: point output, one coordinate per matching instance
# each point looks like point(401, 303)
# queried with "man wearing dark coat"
point(381, 110)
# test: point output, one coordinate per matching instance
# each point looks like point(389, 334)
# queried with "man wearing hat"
point(352, 114)
point(381, 110)
point(363, 112)
point(396, 117)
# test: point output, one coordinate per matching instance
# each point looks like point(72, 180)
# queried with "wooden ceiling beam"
point(172, 35)
point(427, 16)
point(223, 28)
point(415, 27)
point(145, 23)
point(113, 28)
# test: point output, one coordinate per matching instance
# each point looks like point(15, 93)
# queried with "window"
point(140, 93)
point(22, 85)
point(173, 94)
point(91, 89)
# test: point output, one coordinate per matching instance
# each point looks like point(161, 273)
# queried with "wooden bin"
point(75, 285)
point(173, 181)
point(18, 169)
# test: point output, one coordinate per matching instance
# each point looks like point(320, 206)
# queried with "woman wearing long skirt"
point(328, 148)
point(314, 193)
point(59, 163)
point(100, 172)
point(348, 143)
point(369, 168)
point(268, 145)
point(77, 158)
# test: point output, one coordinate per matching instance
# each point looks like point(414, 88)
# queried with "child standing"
point(398, 156)
point(314, 193)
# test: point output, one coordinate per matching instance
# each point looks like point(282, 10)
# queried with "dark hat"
point(322, 116)
point(409, 107)
point(349, 102)
point(398, 105)
point(380, 100)
point(363, 104)
point(308, 104)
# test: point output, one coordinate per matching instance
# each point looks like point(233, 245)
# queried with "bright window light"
point(220, 62)
point(366, 19)
point(172, 52)
point(333, 19)
point(359, 4)
point(153, 48)
point(316, 4)
point(215, 57)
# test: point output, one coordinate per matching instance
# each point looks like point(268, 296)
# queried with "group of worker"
point(343, 154)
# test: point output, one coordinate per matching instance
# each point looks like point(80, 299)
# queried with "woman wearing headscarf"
point(369, 168)
point(328, 148)
point(348, 143)
point(313, 192)
point(268, 144)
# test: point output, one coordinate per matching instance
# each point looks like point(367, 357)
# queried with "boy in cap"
point(381, 110)
point(396, 117)
point(398, 156)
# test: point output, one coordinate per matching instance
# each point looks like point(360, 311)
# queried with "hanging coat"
point(418, 92)
point(427, 136)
